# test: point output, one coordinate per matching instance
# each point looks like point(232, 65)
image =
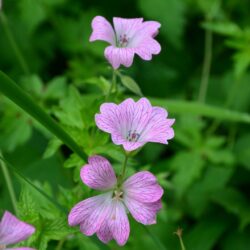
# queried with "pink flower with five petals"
point(132, 124)
point(129, 37)
point(13, 231)
point(106, 214)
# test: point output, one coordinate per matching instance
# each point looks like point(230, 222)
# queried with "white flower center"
point(123, 41)
point(133, 136)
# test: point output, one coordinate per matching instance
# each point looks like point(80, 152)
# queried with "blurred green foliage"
point(205, 170)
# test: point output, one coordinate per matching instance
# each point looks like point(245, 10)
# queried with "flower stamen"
point(123, 41)
point(133, 136)
point(118, 195)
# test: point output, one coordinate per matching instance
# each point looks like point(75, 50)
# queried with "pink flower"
point(132, 124)
point(129, 37)
point(13, 231)
point(106, 214)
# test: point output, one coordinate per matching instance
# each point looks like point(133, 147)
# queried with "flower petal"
point(104, 233)
point(158, 128)
point(12, 230)
point(108, 120)
point(117, 56)
point(142, 187)
point(102, 30)
point(118, 223)
point(144, 213)
point(146, 48)
point(150, 28)
point(127, 26)
point(90, 213)
point(98, 174)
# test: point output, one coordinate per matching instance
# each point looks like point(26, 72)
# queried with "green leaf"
point(223, 28)
point(195, 108)
point(53, 146)
point(242, 150)
point(188, 167)
point(130, 84)
point(205, 234)
point(234, 202)
point(24, 101)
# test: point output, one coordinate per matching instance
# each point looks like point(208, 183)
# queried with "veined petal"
point(144, 213)
point(98, 174)
point(117, 56)
point(159, 128)
point(118, 223)
point(12, 230)
point(150, 28)
point(128, 26)
point(108, 120)
point(90, 213)
point(146, 48)
point(142, 187)
point(104, 233)
point(102, 30)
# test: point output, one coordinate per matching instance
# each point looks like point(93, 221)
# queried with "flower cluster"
point(131, 124)
point(13, 231)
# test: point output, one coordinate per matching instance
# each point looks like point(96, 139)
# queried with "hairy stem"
point(13, 43)
point(9, 184)
point(206, 66)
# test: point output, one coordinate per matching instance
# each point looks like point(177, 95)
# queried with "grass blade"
point(11, 90)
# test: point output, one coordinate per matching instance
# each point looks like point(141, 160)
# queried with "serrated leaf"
point(73, 161)
point(53, 146)
point(130, 84)
point(188, 167)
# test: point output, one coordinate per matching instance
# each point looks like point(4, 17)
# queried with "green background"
point(205, 169)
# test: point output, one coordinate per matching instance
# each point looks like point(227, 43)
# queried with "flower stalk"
point(179, 234)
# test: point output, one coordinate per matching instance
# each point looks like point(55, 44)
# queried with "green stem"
point(124, 167)
point(60, 243)
point(179, 234)
point(206, 66)
point(13, 44)
point(182, 244)
point(113, 84)
point(122, 175)
point(9, 184)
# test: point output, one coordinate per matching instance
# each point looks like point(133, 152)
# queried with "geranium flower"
point(132, 124)
point(13, 231)
point(106, 214)
point(129, 37)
